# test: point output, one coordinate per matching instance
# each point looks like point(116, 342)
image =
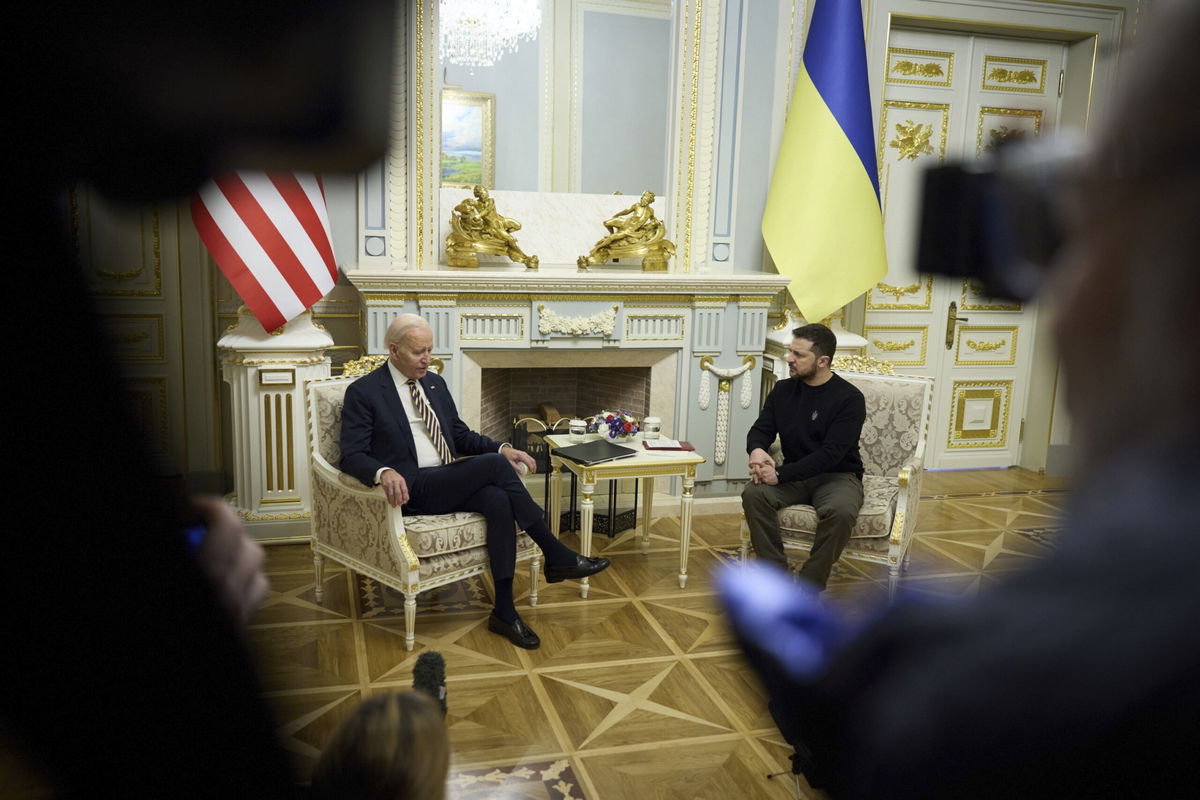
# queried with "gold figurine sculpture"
point(634, 231)
point(476, 227)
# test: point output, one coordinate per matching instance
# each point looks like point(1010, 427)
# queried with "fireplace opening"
point(508, 395)
point(524, 404)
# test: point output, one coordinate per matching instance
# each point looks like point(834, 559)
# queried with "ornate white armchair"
point(355, 526)
point(893, 453)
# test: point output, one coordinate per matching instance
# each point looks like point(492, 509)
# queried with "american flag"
point(269, 234)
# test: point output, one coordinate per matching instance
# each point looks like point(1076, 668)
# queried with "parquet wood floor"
point(638, 691)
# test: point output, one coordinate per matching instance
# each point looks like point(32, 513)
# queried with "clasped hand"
point(762, 467)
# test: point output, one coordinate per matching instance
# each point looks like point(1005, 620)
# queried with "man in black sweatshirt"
point(818, 417)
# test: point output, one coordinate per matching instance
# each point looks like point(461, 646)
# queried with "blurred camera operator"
point(1077, 678)
point(124, 671)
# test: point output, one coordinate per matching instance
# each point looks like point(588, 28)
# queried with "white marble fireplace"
point(679, 326)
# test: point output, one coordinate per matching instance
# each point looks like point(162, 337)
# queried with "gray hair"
point(402, 326)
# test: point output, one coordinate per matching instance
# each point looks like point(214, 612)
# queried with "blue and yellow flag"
point(822, 222)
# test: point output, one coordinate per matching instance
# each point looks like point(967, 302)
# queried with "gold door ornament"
point(477, 227)
point(633, 232)
point(912, 139)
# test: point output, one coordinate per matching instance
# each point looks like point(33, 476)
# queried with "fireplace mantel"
point(701, 334)
point(567, 279)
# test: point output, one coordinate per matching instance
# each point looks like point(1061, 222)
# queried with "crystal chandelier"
point(477, 33)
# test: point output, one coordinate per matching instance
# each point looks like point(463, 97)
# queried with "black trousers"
point(487, 484)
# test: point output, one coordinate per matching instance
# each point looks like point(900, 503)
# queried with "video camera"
point(999, 220)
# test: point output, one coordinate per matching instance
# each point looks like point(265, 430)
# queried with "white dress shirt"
point(427, 454)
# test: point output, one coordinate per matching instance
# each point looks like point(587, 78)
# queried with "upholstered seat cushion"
point(435, 534)
point(879, 504)
point(440, 564)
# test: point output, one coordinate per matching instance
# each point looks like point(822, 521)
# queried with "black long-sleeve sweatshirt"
point(818, 427)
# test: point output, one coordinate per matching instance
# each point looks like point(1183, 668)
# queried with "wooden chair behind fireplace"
point(354, 525)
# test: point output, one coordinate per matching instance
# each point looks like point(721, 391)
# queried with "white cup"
point(577, 429)
point(651, 427)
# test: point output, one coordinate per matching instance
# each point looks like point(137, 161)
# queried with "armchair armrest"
point(905, 521)
point(358, 521)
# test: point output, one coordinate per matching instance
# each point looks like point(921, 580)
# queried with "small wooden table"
point(646, 465)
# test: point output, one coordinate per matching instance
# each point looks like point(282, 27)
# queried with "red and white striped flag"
point(269, 234)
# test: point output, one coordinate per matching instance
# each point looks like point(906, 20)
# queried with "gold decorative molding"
point(364, 365)
point(129, 330)
point(897, 291)
point(250, 516)
point(912, 140)
point(972, 295)
point(980, 345)
point(1035, 114)
point(926, 70)
point(421, 143)
point(998, 136)
point(995, 435)
point(865, 364)
point(235, 357)
point(929, 71)
point(122, 276)
point(1005, 74)
point(893, 346)
point(907, 105)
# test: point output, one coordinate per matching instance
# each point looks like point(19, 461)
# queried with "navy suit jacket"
point(376, 432)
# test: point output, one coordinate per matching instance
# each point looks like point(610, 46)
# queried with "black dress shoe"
point(583, 567)
point(518, 632)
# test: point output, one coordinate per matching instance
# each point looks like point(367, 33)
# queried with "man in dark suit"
point(401, 430)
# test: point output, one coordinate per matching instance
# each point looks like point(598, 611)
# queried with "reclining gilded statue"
point(477, 227)
point(633, 231)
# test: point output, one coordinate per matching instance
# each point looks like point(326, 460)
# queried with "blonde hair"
point(393, 746)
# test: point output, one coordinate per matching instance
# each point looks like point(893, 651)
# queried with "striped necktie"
point(431, 422)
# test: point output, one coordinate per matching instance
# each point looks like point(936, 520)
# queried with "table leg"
point(554, 507)
point(685, 528)
point(647, 509)
point(586, 511)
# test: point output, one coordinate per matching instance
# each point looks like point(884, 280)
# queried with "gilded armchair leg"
point(319, 572)
point(410, 619)
point(893, 579)
point(743, 542)
point(535, 566)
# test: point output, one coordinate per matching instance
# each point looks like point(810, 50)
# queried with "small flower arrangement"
point(614, 423)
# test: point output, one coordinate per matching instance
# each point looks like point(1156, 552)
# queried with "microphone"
point(429, 676)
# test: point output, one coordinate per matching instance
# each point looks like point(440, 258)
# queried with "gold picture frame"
point(468, 151)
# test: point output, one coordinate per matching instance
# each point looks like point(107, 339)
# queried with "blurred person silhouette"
point(1078, 677)
point(394, 746)
point(124, 670)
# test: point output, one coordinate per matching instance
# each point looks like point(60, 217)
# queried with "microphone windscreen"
point(429, 676)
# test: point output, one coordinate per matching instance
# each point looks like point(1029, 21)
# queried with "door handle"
point(952, 318)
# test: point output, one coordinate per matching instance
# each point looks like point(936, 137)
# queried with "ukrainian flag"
point(822, 222)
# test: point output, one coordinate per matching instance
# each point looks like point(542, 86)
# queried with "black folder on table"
point(595, 452)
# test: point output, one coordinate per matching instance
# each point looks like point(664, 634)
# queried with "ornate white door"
point(950, 96)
